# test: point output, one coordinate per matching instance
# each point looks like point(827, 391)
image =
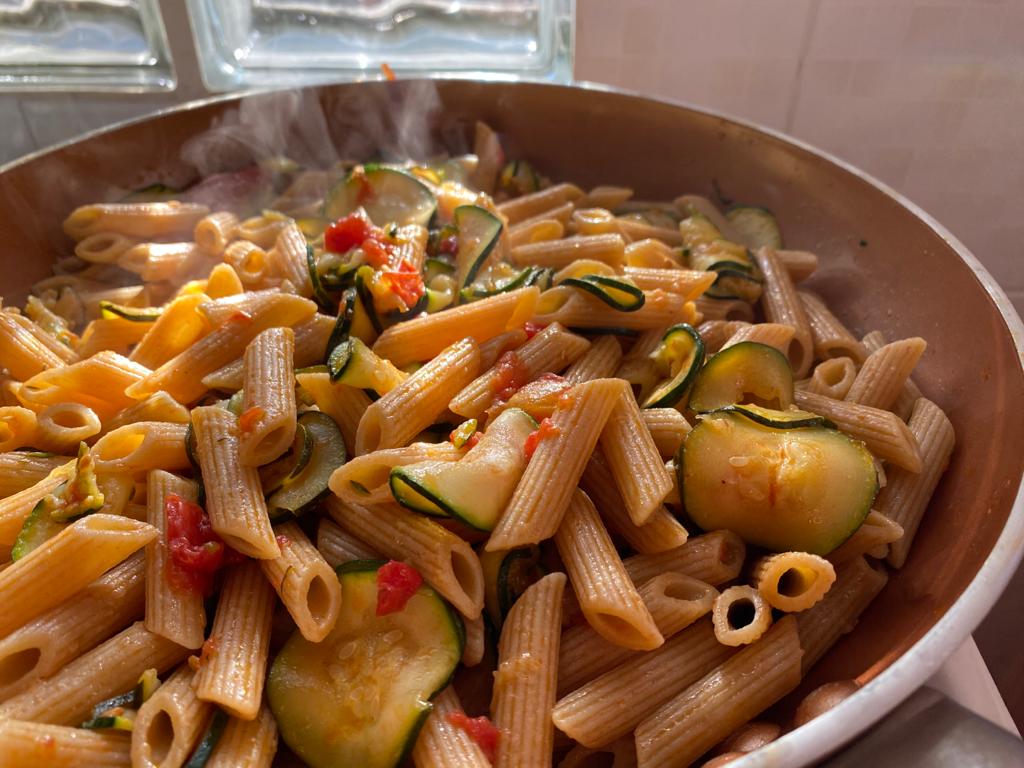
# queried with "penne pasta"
point(885, 372)
point(831, 338)
point(337, 547)
point(910, 392)
point(57, 746)
point(715, 558)
point(832, 378)
point(608, 249)
point(142, 446)
point(17, 427)
point(20, 470)
point(269, 397)
point(741, 616)
point(246, 743)
point(365, 479)
point(877, 531)
point(526, 206)
point(782, 305)
point(169, 723)
point(577, 309)
point(444, 745)
point(214, 231)
point(773, 335)
point(141, 220)
point(600, 361)
point(156, 407)
point(179, 326)
point(103, 247)
point(288, 258)
point(793, 581)
point(16, 507)
point(668, 428)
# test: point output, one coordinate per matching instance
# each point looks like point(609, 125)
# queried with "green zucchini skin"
point(38, 527)
point(744, 373)
point(299, 493)
point(201, 756)
point(324, 706)
point(132, 314)
point(507, 574)
point(605, 289)
point(387, 194)
point(756, 227)
point(674, 390)
point(479, 232)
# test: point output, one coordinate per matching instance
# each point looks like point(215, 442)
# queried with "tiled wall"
point(928, 95)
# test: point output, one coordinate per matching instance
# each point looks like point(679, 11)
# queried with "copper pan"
point(886, 265)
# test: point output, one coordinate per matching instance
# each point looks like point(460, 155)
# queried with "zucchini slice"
point(755, 227)
point(300, 492)
point(289, 465)
point(109, 309)
point(735, 284)
point(678, 357)
point(464, 432)
point(507, 574)
point(211, 736)
point(38, 528)
point(479, 232)
point(363, 276)
point(617, 293)
point(355, 364)
point(118, 712)
point(527, 277)
point(768, 417)
point(358, 698)
point(322, 298)
point(476, 488)
point(801, 489)
point(747, 372)
point(386, 194)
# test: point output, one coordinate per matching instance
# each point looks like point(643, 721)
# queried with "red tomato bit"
point(532, 328)
point(196, 551)
point(389, 73)
point(547, 428)
point(511, 376)
point(397, 582)
point(247, 421)
point(405, 282)
point(480, 729)
point(345, 234)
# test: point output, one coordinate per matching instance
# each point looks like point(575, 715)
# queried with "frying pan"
point(885, 264)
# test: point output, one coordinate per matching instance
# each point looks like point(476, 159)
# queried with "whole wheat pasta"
point(17, 427)
point(885, 372)
point(175, 613)
point(59, 347)
point(103, 247)
point(544, 491)
point(524, 683)
point(305, 582)
point(732, 310)
point(289, 258)
point(688, 283)
point(637, 366)
point(99, 382)
point(831, 338)
point(415, 404)
point(23, 469)
point(158, 406)
point(668, 428)
point(159, 261)
point(169, 723)
point(716, 332)
point(876, 531)
point(782, 305)
point(793, 581)
point(605, 196)
point(345, 404)
point(113, 667)
point(23, 354)
point(163, 220)
point(495, 347)
point(142, 446)
point(725, 698)
point(883, 432)
point(179, 326)
point(233, 666)
point(538, 229)
point(447, 562)
point(246, 743)
point(621, 753)
point(214, 231)
point(222, 281)
point(715, 558)
point(111, 333)
point(66, 631)
point(612, 704)
point(234, 497)
point(270, 387)
point(57, 746)
point(311, 339)
point(364, 479)
point(856, 585)
point(60, 428)
point(634, 230)
point(339, 547)
point(476, 641)
point(444, 745)
point(905, 497)
point(598, 362)
point(910, 392)
point(607, 596)
point(798, 264)
point(549, 351)
point(592, 221)
point(832, 378)
point(262, 230)
point(609, 249)
point(575, 308)
point(527, 206)
point(741, 616)
point(651, 254)
point(773, 335)
point(16, 507)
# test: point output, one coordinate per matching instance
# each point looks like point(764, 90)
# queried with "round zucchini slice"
point(798, 488)
point(479, 233)
point(615, 292)
point(386, 194)
point(747, 372)
point(358, 698)
point(755, 227)
point(300, 491)
point(507, 574)
point(735, 284)
point(679, 357)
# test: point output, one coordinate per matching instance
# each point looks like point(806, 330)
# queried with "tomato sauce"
point(480, 729)
point(546, 429)
point(196, 551)
point(397, 582)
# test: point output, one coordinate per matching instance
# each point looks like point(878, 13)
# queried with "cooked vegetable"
point(358, 698)
point(518, 178)
point(464, 433)
point(735, 284)
point(756, 227)
point(118, 712)
point(747, 372)
point(798, 488)
point(528, 276)
point(109, 309)
point(290, 464)
point(386, 194)
point(300, 492)
point(507, 574)
point(678, 357)
point(355, 364)
point(479, 232)
point(705, 248)
point(208, 742)
point(617, 293)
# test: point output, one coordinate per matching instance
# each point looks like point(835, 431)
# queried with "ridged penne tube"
point(905, 497)
point(832, 378)
point(289, 258)
point(156, 407)
point(740, 615)
point(599, 362)
point(782, 305)
point(831, 338)
point(633, 458)
point(773, 335)
point(651, 254)
point(549, 351)
point(575, 308)
point(535, 230)
point(731, 310)
point(716, 705)
point(171, 611)
point(103, 247)
point(56, 746)
point(910, 392)
point(270, 387)
point(715, 558)
point(364, 479)
point(339, 547)
point(246, 743)
point(443, 745)
point(857, 583)
point(169, 723)
point(154, 262)
point(675, 602)
point(424, 337)
point(234, 497)
point(142, 446)
point(141, 220)
point(17, 427)
point(526, 206)
point(524, 683)
point(447, 562)
point(688, 283)
point(668, 428)
point(558, 213)
point(60, 428)
point(61, 348)
point(305, 582)
point(113, 667)
point(111, 333)
point(181, 376)
point(23, 354)
point(415, 404)
point(612, 704)
point(100, 382)
point(798, 264)
point(262, 230)
point(214, 231)
point(345, 404)
point(38, 582)
point(179, 326)
point(311, 339)
point(661, 532)
point(688, 205)
point(23, 469)
point(885, 372)
point(476, 641)
point(637, 367)
point(66, 631)
point(17, 506)
point(223, 281)
point(792, 581)
point(495, 347)
point(546, 487)
point(883, 432)
point(609, 249)
point(233, 665)
point(618, 754)
point(607, 596)
point(605, 196)
point(716, 332)
point(876, 531)
point(634, 230)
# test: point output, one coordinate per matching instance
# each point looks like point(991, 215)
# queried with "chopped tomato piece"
point(511, 375)
point(397, 582)
point(197, 552)
point(240, 317)
point(546, 429)
point(405, 282)
point(475, 438)
point(532, 328)
point(480, 729)
point(389, 73)
point(347, 233)
point(376, 252)
point(247, 421)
